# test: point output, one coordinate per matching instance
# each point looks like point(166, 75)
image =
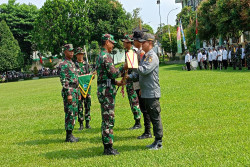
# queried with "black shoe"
point(137, 125)
point(156, 145)
point(108, 150)
point(87, 125)
point(145, 136)
point(70, 137)
point(81, 125)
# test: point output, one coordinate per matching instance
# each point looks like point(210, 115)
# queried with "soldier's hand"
point(69, 99)
point(119, 83)
point(79, 97)
point(126, 77)
point(125, 66)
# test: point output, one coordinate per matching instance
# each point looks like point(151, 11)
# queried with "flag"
point(184, 40)
point(196, 32)
point(179, 40)
point(85, 83)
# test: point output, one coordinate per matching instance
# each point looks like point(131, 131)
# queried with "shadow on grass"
point(51, 131)
point(88, 152)
point(42, 142)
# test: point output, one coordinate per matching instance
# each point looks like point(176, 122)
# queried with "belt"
point(105, 82)
point(73, 85)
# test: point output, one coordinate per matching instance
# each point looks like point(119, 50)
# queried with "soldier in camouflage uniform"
point(247, 53)
point(70, 91)
point(132, 95)
point(83, 68)
point(106, 91)
point(238, 55)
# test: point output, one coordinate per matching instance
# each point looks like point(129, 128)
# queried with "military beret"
point(68, 47)
point(127, 38)
point(79, 50)
point(109, 37)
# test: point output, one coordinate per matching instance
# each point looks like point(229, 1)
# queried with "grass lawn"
point(206, 120)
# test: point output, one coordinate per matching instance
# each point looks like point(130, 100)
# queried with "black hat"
point(138, 33)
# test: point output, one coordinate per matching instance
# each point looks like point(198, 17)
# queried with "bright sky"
point(149, 9)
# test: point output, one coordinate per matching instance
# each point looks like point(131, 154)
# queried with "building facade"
point(192, 3)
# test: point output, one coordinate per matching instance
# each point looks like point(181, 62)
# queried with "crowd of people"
point(222, 57)
point(11, 76)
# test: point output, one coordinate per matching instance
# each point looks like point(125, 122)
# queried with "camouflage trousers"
point(106, 96)
point(70, 109)
point(87, 104)
point(133, 100)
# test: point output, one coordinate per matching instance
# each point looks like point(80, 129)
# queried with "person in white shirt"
point(230, 56)
point(210, 58)
point(224, 58)
point(219, 58)
point(199, 56)
point(204, 59)
point(242, 56)
point(215, 62)
point(188, 60)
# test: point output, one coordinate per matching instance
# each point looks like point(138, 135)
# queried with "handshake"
point(124, 79)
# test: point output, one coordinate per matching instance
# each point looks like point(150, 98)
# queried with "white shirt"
point(199, 57)
point(210, 56)
point(242, 53)
point(214, 55)
point(220, 55)
point(229, 54)
point(204, 57)
point(187, 58)
point(224, 54)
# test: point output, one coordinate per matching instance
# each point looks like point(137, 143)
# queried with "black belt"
point(73, 85)
point(105, 82)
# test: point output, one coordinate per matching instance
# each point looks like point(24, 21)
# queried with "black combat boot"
point(81, 125)
point(70, 137)
point(108, 150)
point(87, 125)
point(137, 125)
point(156, 145)
point(146, 134)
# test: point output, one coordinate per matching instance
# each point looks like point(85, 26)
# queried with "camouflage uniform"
point(106, 90)
point(247, 52)
point(132, 95)
point(234, 58)
point(238, 55)
point(69, 81)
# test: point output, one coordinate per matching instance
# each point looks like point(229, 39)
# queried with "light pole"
point(159, 3)
point(169, 30)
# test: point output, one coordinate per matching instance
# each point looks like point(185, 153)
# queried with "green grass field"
point(206, 120)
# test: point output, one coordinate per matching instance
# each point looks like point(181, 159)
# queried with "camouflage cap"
point(68, 47)
point(147, 37)
point(127, 38)
point(79, 50)
point(109, 37)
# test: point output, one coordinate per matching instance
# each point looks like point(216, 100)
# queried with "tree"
point(60, 22)
point(208, 20)
point(9, 49)
point(187, 16)
point(20, 19)
point(95, 50)
point(149, 28)
point(108, 16)
point(234, 18)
